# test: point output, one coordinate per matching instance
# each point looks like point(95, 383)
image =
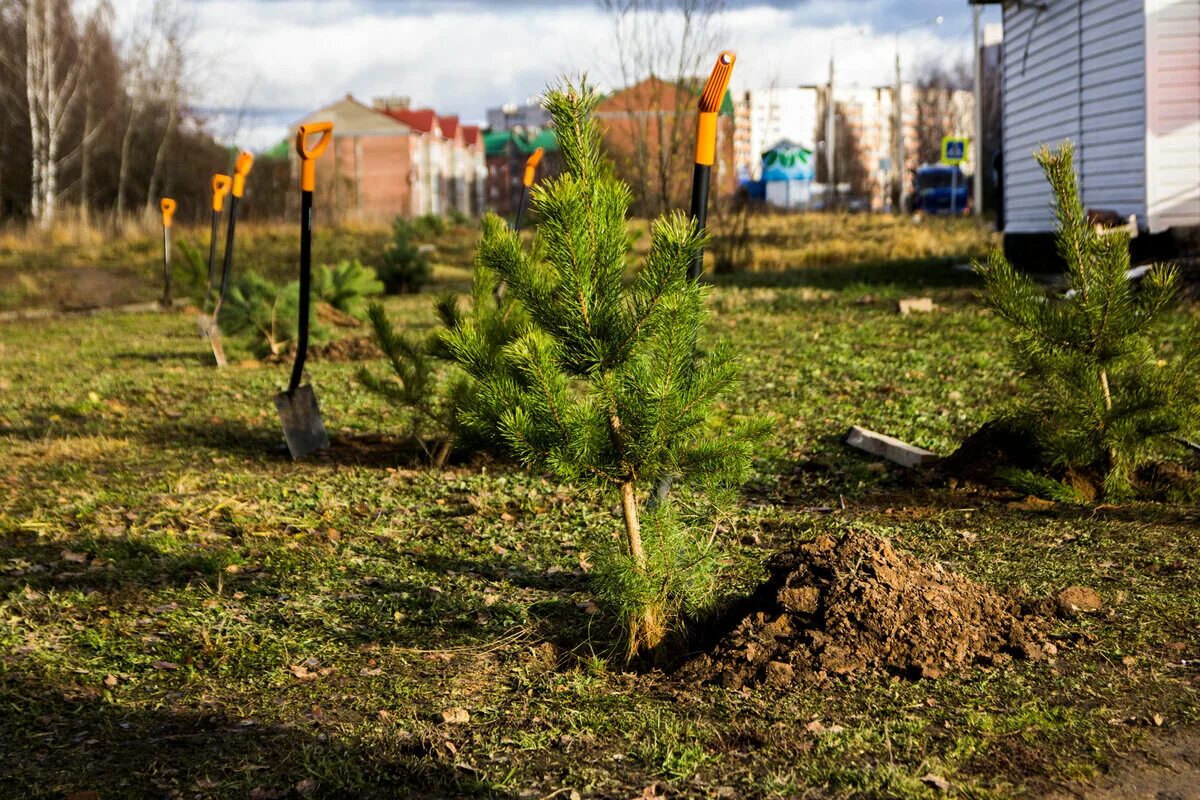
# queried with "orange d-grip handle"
point(309, 155)
point(531, 165)
point(710, 106)
point(168, 211)
point(221, 187)
point(241, 169)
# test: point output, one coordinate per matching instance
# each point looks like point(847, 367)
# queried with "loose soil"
point(857, 606)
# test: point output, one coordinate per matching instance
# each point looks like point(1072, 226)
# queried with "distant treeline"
point(92, 127)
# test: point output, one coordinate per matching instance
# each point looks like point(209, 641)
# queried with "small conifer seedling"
point(602, 387)
point(1097, 395)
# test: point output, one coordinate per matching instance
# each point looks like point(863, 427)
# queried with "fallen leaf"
point(165, 665)
point(454, 716)
point(936, 782)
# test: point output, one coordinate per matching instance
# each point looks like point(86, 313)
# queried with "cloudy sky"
point(257, 64)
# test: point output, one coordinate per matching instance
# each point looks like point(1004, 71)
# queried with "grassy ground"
point(186, 612)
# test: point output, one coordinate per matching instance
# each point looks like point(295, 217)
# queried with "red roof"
point(420, 119)
point(471, 134)
point(449, 126)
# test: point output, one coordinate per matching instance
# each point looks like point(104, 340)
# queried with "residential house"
point(1121, 79)
point(388, 160)
point(366, 172)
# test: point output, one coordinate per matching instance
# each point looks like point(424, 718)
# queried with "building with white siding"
point(1121, 79)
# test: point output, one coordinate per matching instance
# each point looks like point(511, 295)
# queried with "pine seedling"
point(346, 286)
point(1096, 392)
point(424, 377)
point(602, 387)
point(404, 268)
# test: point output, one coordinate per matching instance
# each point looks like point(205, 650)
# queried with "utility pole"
point(977, 144)
point(830, 142)
point(898, 128)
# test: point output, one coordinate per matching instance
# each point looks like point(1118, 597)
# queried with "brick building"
point(643, 119)
point(388, 160)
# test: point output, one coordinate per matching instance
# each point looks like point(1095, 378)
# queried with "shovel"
point(531, 165)
point(220, 185)
point(240, 170)
point(706, 154)
point(297, 405)
point(168, 214)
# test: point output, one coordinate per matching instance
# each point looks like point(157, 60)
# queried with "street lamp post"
point(831, 125)
point(898, 113)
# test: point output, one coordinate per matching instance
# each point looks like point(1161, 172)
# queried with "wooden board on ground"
point(889, 447)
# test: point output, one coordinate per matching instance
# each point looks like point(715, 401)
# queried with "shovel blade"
point(208, 327)
point(302, 424)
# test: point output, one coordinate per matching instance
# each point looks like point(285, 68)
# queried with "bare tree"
point(663, 49)
point(849, 165)
point(939, 110)
point(54, 60)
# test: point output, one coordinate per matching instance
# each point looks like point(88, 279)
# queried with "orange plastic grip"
point(309, 155)
point(531, 165)
point(710, 104)
point(168, 211)
point(221, 187)
point(241, 169)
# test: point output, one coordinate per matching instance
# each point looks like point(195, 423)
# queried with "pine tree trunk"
point(646, 628)
point(633, 527)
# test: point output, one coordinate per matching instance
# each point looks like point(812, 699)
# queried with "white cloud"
point(281, 58)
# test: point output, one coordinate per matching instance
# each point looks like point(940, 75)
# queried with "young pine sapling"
point(602, 387)
point(1097, 392)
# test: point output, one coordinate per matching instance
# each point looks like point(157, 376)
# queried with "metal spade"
point(168, 213)
point(303, 427)
point(220, 185)
point(245, 161)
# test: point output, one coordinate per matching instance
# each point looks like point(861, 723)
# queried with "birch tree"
point(53, 65)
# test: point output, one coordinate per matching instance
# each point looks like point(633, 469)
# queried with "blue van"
point(941, 189)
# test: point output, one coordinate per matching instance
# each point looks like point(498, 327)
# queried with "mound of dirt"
point(858, 606)
point(351, 348)
point(992, 447)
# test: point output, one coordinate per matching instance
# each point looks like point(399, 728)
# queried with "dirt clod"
point(859, 606)
point(1076, 600)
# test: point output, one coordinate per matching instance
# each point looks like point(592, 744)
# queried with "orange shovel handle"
point(245, 161)
point(168, 211)
point(531, 165)
point(221, 185)
point(710, 105)
point(309, 155)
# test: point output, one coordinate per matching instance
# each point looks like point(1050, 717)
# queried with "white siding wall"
point(1173, 96)
point(1074, 70)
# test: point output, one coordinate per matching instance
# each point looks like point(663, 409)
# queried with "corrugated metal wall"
point(1074, 69)
point(1173, 96)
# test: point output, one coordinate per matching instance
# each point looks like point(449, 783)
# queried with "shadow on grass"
point(81, 736)
point(909, 275)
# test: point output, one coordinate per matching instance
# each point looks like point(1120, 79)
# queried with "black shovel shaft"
point(227, 267)
point(212, 253)
point(521, 207)
point(166, 265)
point(306, 201)
point(700, 180)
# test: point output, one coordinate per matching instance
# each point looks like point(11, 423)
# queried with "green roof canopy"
point(494, 143)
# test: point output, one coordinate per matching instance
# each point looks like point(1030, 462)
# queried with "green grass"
point(164, 567)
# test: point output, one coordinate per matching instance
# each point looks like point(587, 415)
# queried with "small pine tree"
point(1096, 394)
point(345, 286)
point(425, 378)
point(602, 387)
point(405, 269)
point(267, 313)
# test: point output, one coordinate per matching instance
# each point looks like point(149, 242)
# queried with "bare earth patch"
point(859, 606)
